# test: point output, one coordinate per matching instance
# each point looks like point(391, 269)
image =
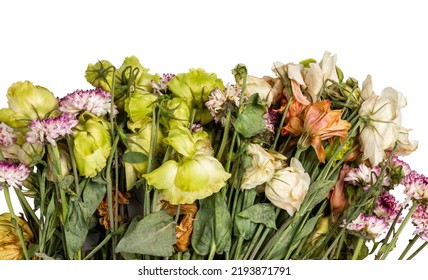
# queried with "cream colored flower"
point(318, 73)
point(288, 187)
point(261, 86)
point(382, 115)
point(262, 167)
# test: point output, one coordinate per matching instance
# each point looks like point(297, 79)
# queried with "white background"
point(51, 42)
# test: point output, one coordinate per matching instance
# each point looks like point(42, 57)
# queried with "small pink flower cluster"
point(365, 176)
point(7, 135)
point(420, 221)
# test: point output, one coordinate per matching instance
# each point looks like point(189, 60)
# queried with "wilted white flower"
point(288, 187)
point(262, 167)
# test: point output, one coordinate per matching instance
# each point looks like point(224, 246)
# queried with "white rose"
point(262, 167)
point(261, 86)
point(288, 187)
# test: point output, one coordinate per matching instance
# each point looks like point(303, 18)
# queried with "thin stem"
point(224, 140)
point(408, 247)
point(99, 246)
point(281, 124)
point(27, 206)
point(400, 229)
point(74, 166)
point(418, 250)
point(15, 223)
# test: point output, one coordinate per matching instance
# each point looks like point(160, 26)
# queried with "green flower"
point(132, 71)
point(175, 113)
point(181, 139)
point(191, 179)
point(139, 105)
point(194, 87)
point(92, 145)
point(100, 75)
point(27, 102)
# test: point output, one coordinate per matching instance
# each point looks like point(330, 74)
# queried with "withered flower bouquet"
point(303, 164)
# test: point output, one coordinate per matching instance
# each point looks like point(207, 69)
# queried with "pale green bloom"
point(141, 77)
point(140, 104)
point(194, 88)
point(27, 102)
point(176, 113)
point(92, 145)
point(181, 139)
point(100, 74)
point(191, 179)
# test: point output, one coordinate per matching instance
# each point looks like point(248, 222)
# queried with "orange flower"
point(318, 123)
point(103, 212)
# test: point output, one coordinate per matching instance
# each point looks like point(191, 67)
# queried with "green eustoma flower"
point(27, 102)
point(195, 174)
point(92, 145)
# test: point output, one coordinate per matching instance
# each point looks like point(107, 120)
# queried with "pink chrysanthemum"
point(96, 101)
point(420, 221)
point(162, 86)
point(369, 227)
point(13, 175)
point(388, 207)
point(50, 129)
point(7, 135)
point(365, 176)
point(416, 187)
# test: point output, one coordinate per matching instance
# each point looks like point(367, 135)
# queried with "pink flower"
point(13, 175)
point(420, 221)
point(365, 176)
point(416, 187)
point(369, 227)
point(387, 206)
point(96, 101)
point(221, 101)
point(7, 135)
point(50, 129)
point(162, 87)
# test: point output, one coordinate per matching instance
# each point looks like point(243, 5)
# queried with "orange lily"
point(319, 123)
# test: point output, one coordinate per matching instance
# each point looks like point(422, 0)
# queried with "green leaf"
point(260, 213)
point(76, 226)
point(134, 157)
point(212, 226)
point(93, 194)
point(245, 227)
point(153, 235)
point(318, 191)
point(66, 182)
point(250, 121)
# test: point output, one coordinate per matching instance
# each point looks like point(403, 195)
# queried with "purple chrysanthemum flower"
point(365, 176)
point(387, 206)
point(396, 162)
point(369, 227)
point(7, 135)
point(52, 128)
point(162, 86)
point(96, 101)
point(420, 221)
point(13, 175)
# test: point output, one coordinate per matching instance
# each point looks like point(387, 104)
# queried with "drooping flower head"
point(368, 226)
point(51, 129)
point(13, 175)
point(96, 101)
point(319, 123)
point(222, 101)
point(7, 135)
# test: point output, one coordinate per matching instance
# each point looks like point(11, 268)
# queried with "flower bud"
point(100, 75)
point(64, 162)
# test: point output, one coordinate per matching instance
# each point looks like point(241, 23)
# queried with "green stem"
point(409, 246)
point(281, 124)
point(15, 223)
point(391, 245)
point(418, 250)
point(27, 206)
point(358, 248)
point(254, 240)
point(225, 138)
point(74, 165)
point(277, 236)
point(239, 248)
point(260, 242)
point(99, 246)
